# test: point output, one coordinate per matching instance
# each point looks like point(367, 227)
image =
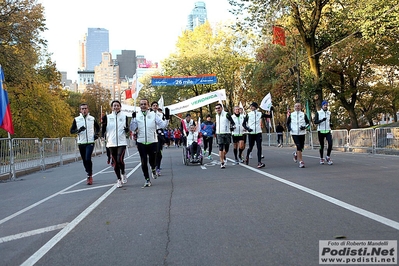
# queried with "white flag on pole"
point(160, 102)
point(138, 85)
point(266, 103)
point(242, 107)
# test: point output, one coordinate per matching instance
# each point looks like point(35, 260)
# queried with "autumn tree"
point(98, 99)
point(33, 82)
point(208, 51)
point(318, 24)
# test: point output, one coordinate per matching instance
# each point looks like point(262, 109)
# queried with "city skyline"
point(152, 32)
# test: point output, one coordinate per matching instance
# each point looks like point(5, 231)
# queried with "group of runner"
point(149, 123)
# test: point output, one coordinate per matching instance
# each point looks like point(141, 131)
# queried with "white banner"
point(197, 102)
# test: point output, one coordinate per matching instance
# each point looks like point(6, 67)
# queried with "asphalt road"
point(199, 215)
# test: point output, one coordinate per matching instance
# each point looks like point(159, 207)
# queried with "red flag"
point(278, 35)
point(5, 111)
point(128, 94)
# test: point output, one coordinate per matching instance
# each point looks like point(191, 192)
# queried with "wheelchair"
point(188, 160)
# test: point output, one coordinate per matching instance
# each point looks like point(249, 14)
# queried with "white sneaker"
point(147, 183)
point(329, 161)
point(250, 156)
point(154, 174)
point(119, 183)
point(295, 158)
point(321, 161)
point(301, 164)
point(124, 179)
point(222, 166)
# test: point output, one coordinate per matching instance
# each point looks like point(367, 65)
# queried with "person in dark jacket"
point(208, 130)
point(279, 130)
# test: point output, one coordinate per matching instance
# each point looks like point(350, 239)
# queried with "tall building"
point(198, 16)
point(127, 63)
point(82, 53)
point(107, 75)
point(97, 42)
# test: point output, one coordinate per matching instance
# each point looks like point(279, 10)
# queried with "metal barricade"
point(51, 148)
point(5, 157)
point(69, 149)
point(387, 140)
point(26, 154)
point(361, 140)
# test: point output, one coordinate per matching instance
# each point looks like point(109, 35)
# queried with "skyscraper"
point(127, 63)
point(97, 42)
point(197, 16)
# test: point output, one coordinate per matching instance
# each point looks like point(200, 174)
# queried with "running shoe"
point(250, 155)
point(241, 160)
point(222, 166)
point(158, 172)
point(210, 157)
point(89, 180)
point(247, 160)
point(260, 165)
point(329, 161)
point(301, 164)
point(124, 179)
point(295, 157)
point(236, 162)
point(321, 161)
point(154, 174)
point(263, 156)
point(147, 183)
point(119, 183)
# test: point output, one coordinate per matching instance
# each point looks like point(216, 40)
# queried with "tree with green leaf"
point(208, 51)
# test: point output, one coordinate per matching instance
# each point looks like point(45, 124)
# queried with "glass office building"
point(97, 42)
point(197, 16)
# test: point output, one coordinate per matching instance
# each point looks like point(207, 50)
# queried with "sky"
point(151, 27)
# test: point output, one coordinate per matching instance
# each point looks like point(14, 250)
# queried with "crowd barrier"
point(25, 154)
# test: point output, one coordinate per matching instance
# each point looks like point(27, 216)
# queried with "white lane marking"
point(51, 196)
point(60, 235)
point(69, 227)
point(365, 213)
point(32, 232)
point(84, 189)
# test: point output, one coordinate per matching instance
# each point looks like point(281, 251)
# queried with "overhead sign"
point(183, 80)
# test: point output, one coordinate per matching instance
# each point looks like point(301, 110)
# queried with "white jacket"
point(86, 136)
point(145, 125)
point(254, 122)
point(325, 125)
point(222, 123)
point(115, 130)
point(238, 120)
point(297, 119)
point(192, 137)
